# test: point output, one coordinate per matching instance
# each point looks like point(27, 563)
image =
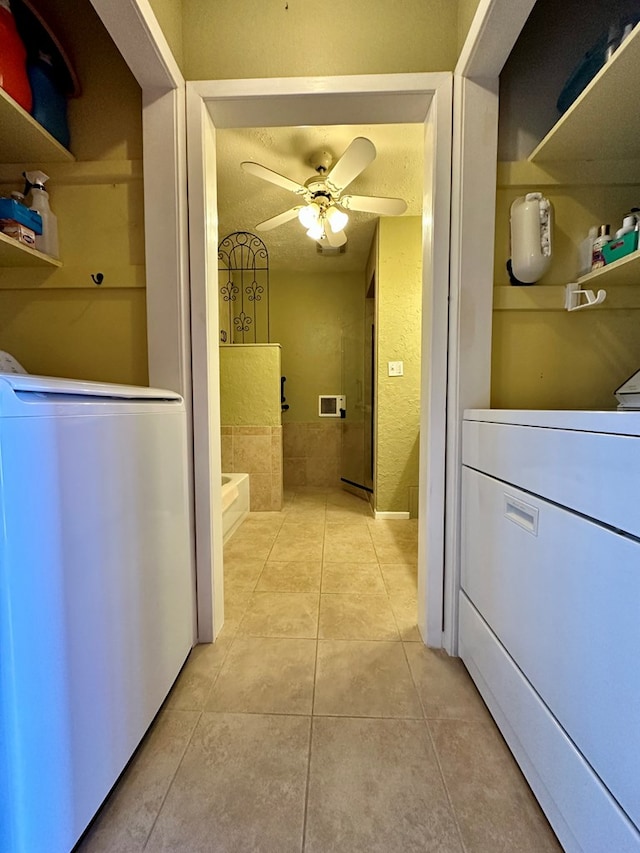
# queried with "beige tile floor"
point(318, 721)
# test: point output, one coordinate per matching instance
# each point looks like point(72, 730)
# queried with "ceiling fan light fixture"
point(323, 213)
point(316, 232)
point(309, 215)
point(337, 219)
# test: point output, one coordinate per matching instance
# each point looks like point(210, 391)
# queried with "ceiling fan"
point(323, 213)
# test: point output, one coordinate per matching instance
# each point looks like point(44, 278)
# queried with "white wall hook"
point(573, 297)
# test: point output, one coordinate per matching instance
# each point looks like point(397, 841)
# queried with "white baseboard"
point(392, 516)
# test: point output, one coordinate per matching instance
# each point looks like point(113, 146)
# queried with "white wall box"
point(549, 624)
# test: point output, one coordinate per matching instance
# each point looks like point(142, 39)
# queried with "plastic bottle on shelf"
point(585, 251)
point(597, 258)
point(629, 224)
point(613, 41)
point(47, 242)
point(49, 102)
point(13, 55)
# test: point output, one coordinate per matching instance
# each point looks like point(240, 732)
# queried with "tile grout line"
point(173, 777)
point(436, 755)
point(445, 786)
point(308, 779)
point(313, 698)
point(386, 589)
point(353, 716)
point(217, 675)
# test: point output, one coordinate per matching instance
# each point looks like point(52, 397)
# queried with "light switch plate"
point(396, 368)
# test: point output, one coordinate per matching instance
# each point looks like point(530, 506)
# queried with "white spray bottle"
point(46, 242)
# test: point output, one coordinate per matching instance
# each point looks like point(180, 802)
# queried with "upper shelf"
point(624, 271)
point(603, 123)
point(15, 254)
point(23, 140)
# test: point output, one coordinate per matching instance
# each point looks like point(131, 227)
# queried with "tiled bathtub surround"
point(312, 453)
point(256, 451)
point(318, 722)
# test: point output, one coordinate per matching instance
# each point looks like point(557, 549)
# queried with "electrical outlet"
point(396, 368)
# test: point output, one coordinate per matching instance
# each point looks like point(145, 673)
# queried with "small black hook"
point(98, 278)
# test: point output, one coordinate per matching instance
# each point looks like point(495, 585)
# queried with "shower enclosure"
point(357, 383)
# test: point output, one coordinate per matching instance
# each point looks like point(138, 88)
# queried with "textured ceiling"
point(244, 200)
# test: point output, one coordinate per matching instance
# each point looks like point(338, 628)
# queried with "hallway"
point(318, 721)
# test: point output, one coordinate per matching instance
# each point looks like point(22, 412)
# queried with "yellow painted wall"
point(398, 325)
point(250, 385)
point(308, 312)
point(466, 11)
point(58, 322)
point(169, 14)
point(285, 38)
point(552, 359)
point(60, 332)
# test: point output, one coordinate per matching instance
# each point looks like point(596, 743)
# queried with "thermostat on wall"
point(332, 405)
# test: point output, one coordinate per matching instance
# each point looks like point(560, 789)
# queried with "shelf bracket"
point(573, 297)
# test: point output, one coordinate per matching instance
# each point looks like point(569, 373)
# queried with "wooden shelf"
point(15, 254)
point(23, 140)
point(604, 121)
point(624, 271)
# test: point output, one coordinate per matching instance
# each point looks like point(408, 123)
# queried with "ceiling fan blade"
point(273, 177)
point(355, 159)
point(335, 240)
point(374, 204)
point(280, 219)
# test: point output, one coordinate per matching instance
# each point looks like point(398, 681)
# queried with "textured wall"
point(398, 325)
point(308, 313)
point(466, 11)
point(250, 385)
point(169, 14)
point(242, 38)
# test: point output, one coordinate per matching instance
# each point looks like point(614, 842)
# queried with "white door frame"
point(366, 99)
point(494, 30)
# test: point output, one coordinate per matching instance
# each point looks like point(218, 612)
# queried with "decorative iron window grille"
point(243, 275)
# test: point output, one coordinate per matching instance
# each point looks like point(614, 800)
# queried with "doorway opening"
point(389, 99)
point(323, 307)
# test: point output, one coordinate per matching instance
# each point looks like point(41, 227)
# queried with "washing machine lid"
point(24, 394)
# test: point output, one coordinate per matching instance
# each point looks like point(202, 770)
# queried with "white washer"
point(96, 593)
